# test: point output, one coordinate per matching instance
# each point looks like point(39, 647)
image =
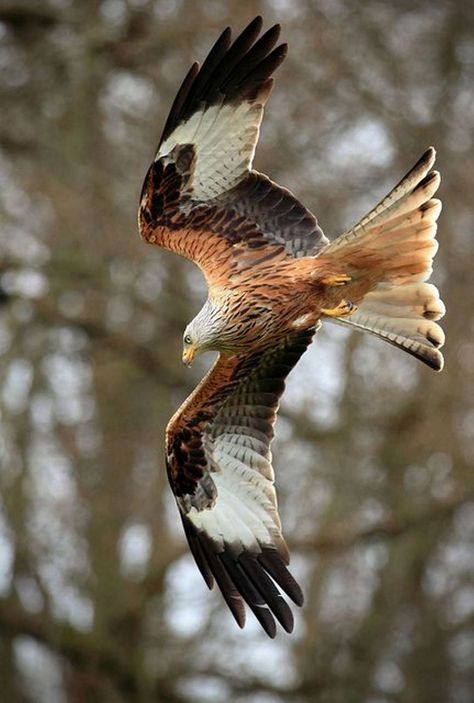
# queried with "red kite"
point(272, 276)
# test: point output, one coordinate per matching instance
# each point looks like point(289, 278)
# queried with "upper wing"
point(200, 197)
point(219, 467)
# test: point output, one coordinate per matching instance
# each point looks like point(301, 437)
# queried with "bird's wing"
point(200, 197)
point(219, 467)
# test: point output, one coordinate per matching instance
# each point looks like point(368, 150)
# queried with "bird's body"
point(272, 276)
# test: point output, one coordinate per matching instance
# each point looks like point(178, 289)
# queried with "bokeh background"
point(99, 598)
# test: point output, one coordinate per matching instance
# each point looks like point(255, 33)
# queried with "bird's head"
point(190, 347)
point(203, 333)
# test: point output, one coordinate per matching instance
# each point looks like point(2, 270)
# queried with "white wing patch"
point(245, 511)
point(225, 137)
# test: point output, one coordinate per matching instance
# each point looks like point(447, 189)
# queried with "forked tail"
point(388, 256)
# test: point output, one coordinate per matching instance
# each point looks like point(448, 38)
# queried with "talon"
point(345, 307)
point(339, 280)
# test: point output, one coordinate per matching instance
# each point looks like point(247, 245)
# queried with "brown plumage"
point(272, 276)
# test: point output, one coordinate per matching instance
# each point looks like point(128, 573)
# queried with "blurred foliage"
point(99, 598)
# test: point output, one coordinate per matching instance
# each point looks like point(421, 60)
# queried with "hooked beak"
point(188, 355)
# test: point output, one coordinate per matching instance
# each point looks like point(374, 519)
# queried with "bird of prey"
point(272, 276)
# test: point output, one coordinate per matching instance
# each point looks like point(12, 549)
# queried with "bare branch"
point(82, 650)
point(393, 526)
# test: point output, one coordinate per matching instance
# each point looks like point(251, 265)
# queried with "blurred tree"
point(99, 599)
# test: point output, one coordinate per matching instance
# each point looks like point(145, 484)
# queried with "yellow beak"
point(188, 355)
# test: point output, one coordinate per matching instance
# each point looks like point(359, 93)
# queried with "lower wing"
point(219, 467)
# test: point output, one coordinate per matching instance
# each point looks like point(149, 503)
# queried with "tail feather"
point(414, 190)
point(409, 301)
point(389, 256)
point(424, 216)
point(413, 338)
point(406, 317)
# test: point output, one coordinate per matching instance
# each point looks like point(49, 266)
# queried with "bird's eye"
point(188, 340)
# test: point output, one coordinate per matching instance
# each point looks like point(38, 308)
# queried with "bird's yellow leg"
point(336, 280)
point(344, 308)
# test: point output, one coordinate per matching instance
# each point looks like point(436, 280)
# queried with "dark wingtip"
point(428, 157)
point(430, 153)
point(276, 567)
point(257, 22)
point(430, 356)
point(224, 38)
point(429, 178)
point(271, 632)
point(297, 595)
point(250, 32)
point(436, 361)
point(239, 70)
point(277, 56)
